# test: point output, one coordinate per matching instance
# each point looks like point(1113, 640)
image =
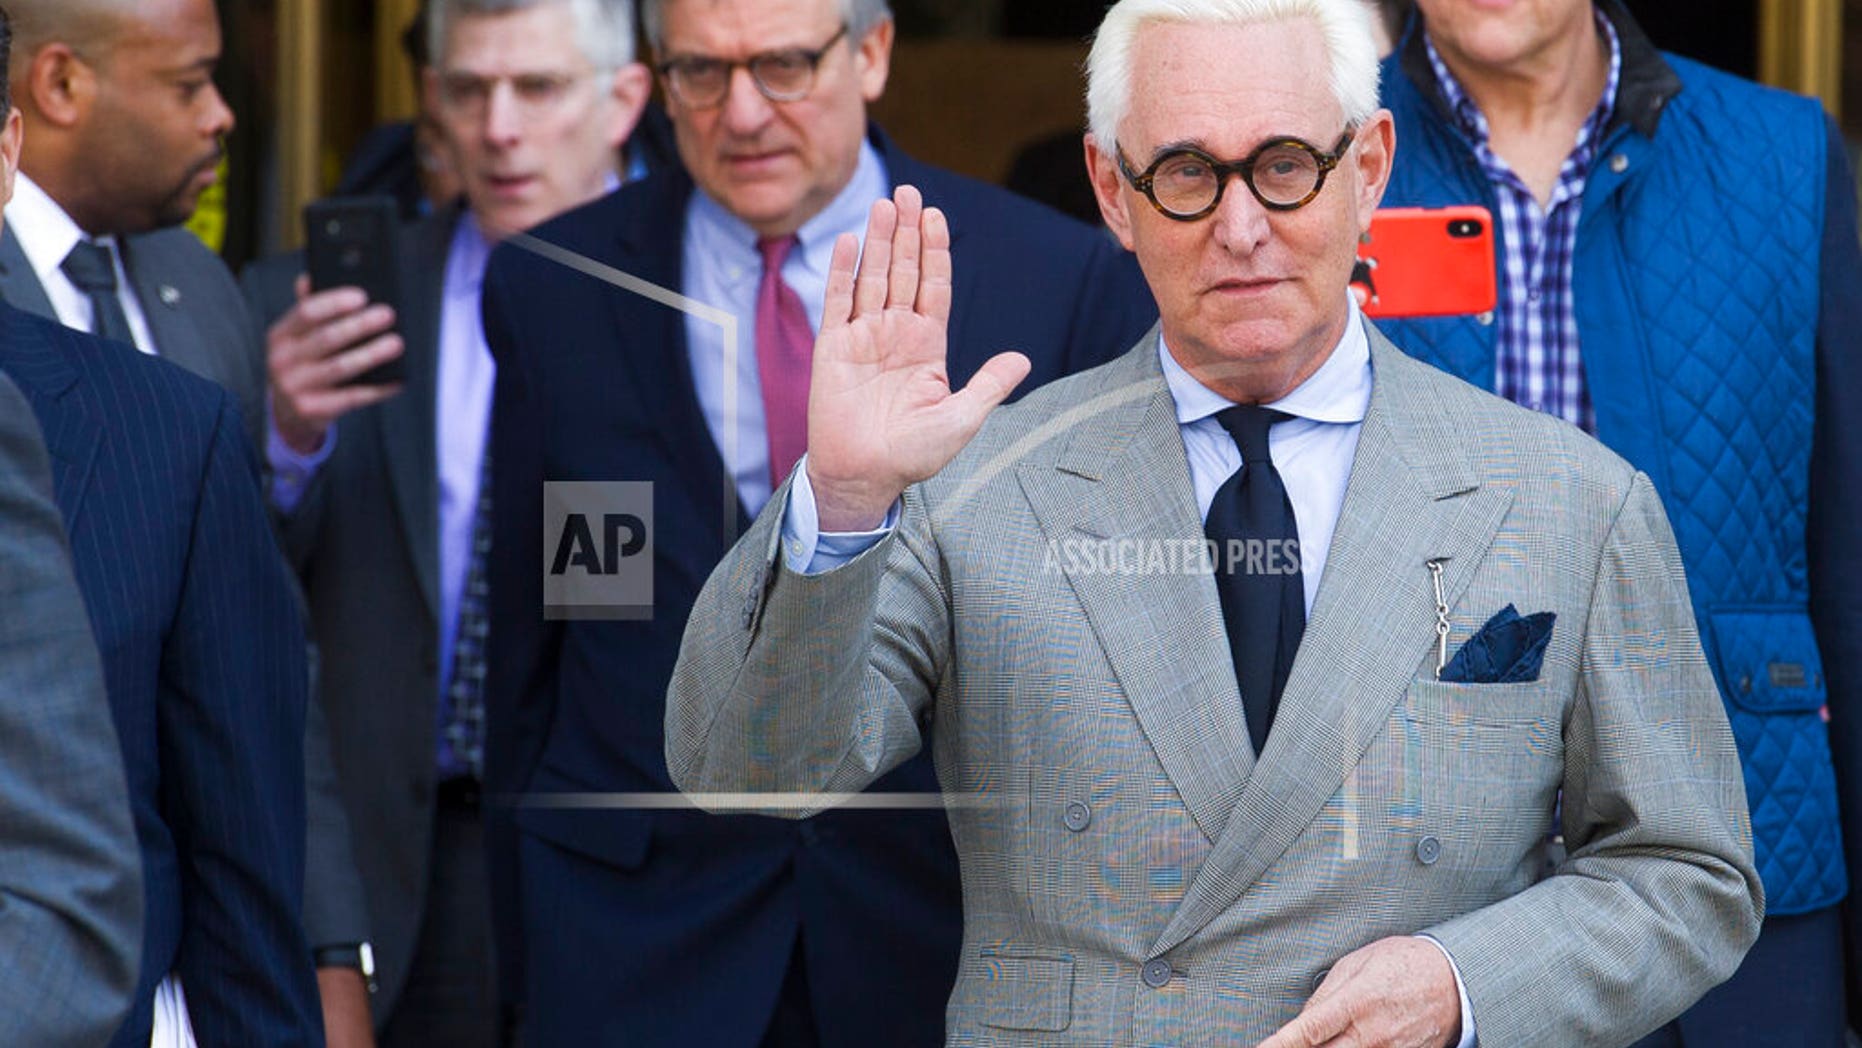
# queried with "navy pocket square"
point(1508, 650)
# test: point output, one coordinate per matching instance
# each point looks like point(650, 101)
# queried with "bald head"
point(119, 106)
point(85, 25)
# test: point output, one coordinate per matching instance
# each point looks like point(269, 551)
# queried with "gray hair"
point(604, 29)
point(1345, 25)
point(860, 16)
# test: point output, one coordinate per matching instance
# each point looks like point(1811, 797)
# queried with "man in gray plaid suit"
point(1258, 659)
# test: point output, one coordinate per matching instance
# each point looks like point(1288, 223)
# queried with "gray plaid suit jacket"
point(1132, 874)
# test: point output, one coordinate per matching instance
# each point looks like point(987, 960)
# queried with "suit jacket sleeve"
point(805, 683)
point(335, 912)
point(233, 764)
point(70, 880)
point(1659, 899)
point(1835, 560)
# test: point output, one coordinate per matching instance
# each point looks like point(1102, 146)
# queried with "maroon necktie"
point(784, 350)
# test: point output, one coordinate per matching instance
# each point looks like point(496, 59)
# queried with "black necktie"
point(1256, 544)
point(92, 269)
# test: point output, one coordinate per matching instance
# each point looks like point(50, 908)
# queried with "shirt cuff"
point(1468, 1039)
point(809, 552)
point(293, 471)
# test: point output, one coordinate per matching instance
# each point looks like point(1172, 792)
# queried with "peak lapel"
point(1412, 498)
point(46, 375)
point(1123, 479)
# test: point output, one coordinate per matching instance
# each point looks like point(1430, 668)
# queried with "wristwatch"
point(360, 956)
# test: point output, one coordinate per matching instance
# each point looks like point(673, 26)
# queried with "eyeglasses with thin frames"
point(1284, 174)
point(700, 82)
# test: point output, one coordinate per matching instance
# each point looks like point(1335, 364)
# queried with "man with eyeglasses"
point(1290, 787)
point(382, 500)
point(641, 921)
point(1681, 276)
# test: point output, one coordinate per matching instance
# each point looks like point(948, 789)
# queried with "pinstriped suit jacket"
point(1132, 873)
point(71, 921)
point(203, 658)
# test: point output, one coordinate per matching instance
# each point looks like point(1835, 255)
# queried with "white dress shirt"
point(46, 234)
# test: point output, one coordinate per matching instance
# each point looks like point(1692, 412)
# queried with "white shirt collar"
point(1339, 392)
point(45, 232)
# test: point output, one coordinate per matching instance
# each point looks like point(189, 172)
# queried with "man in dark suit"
point(124, 128)
point(71, 931)
point(203, 660)
point(203, 657)
point(653, 926)
point(379, 486)
point(117, 153)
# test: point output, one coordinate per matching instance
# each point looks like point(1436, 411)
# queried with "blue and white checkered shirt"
point(1538, 363)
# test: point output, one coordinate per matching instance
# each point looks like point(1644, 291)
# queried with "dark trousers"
point(1787, 994)
point(451, 996)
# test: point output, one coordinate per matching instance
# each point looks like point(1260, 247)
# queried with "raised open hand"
point(881, 414)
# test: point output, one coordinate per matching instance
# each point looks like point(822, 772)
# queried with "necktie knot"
point(91, 267)
point(775, 251)
point(1248, 424)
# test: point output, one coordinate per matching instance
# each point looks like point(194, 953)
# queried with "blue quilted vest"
point(1695, 282)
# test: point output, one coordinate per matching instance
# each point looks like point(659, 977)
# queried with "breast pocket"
point(1489, 759)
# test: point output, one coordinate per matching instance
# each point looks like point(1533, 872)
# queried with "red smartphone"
point(1427, 262)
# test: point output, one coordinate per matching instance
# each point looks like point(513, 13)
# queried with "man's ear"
point(632, 86)
point(12, 137)
point(1375, 154)
point(1108, 186)
point(873, 59)
point(58, 85)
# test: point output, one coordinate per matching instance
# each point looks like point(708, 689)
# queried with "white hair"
point(604, 29)
point(860, 16)
point(1345, 25)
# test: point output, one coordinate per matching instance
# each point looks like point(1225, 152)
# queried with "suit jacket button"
point(1157, 974)
point(1428, 850)
point(1079, 817)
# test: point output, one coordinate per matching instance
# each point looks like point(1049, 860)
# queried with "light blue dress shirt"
point(722, 268)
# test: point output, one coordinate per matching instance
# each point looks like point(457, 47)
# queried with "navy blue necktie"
point(1256, 541)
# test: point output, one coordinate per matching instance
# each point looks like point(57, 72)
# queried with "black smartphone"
point(351, 242)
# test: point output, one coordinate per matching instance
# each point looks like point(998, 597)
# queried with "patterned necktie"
point(1258, 576)
point(464, 726)
point(785, 346)
point(91, 268)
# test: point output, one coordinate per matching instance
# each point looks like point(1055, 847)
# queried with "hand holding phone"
point(351, 242)
point(336, 349)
